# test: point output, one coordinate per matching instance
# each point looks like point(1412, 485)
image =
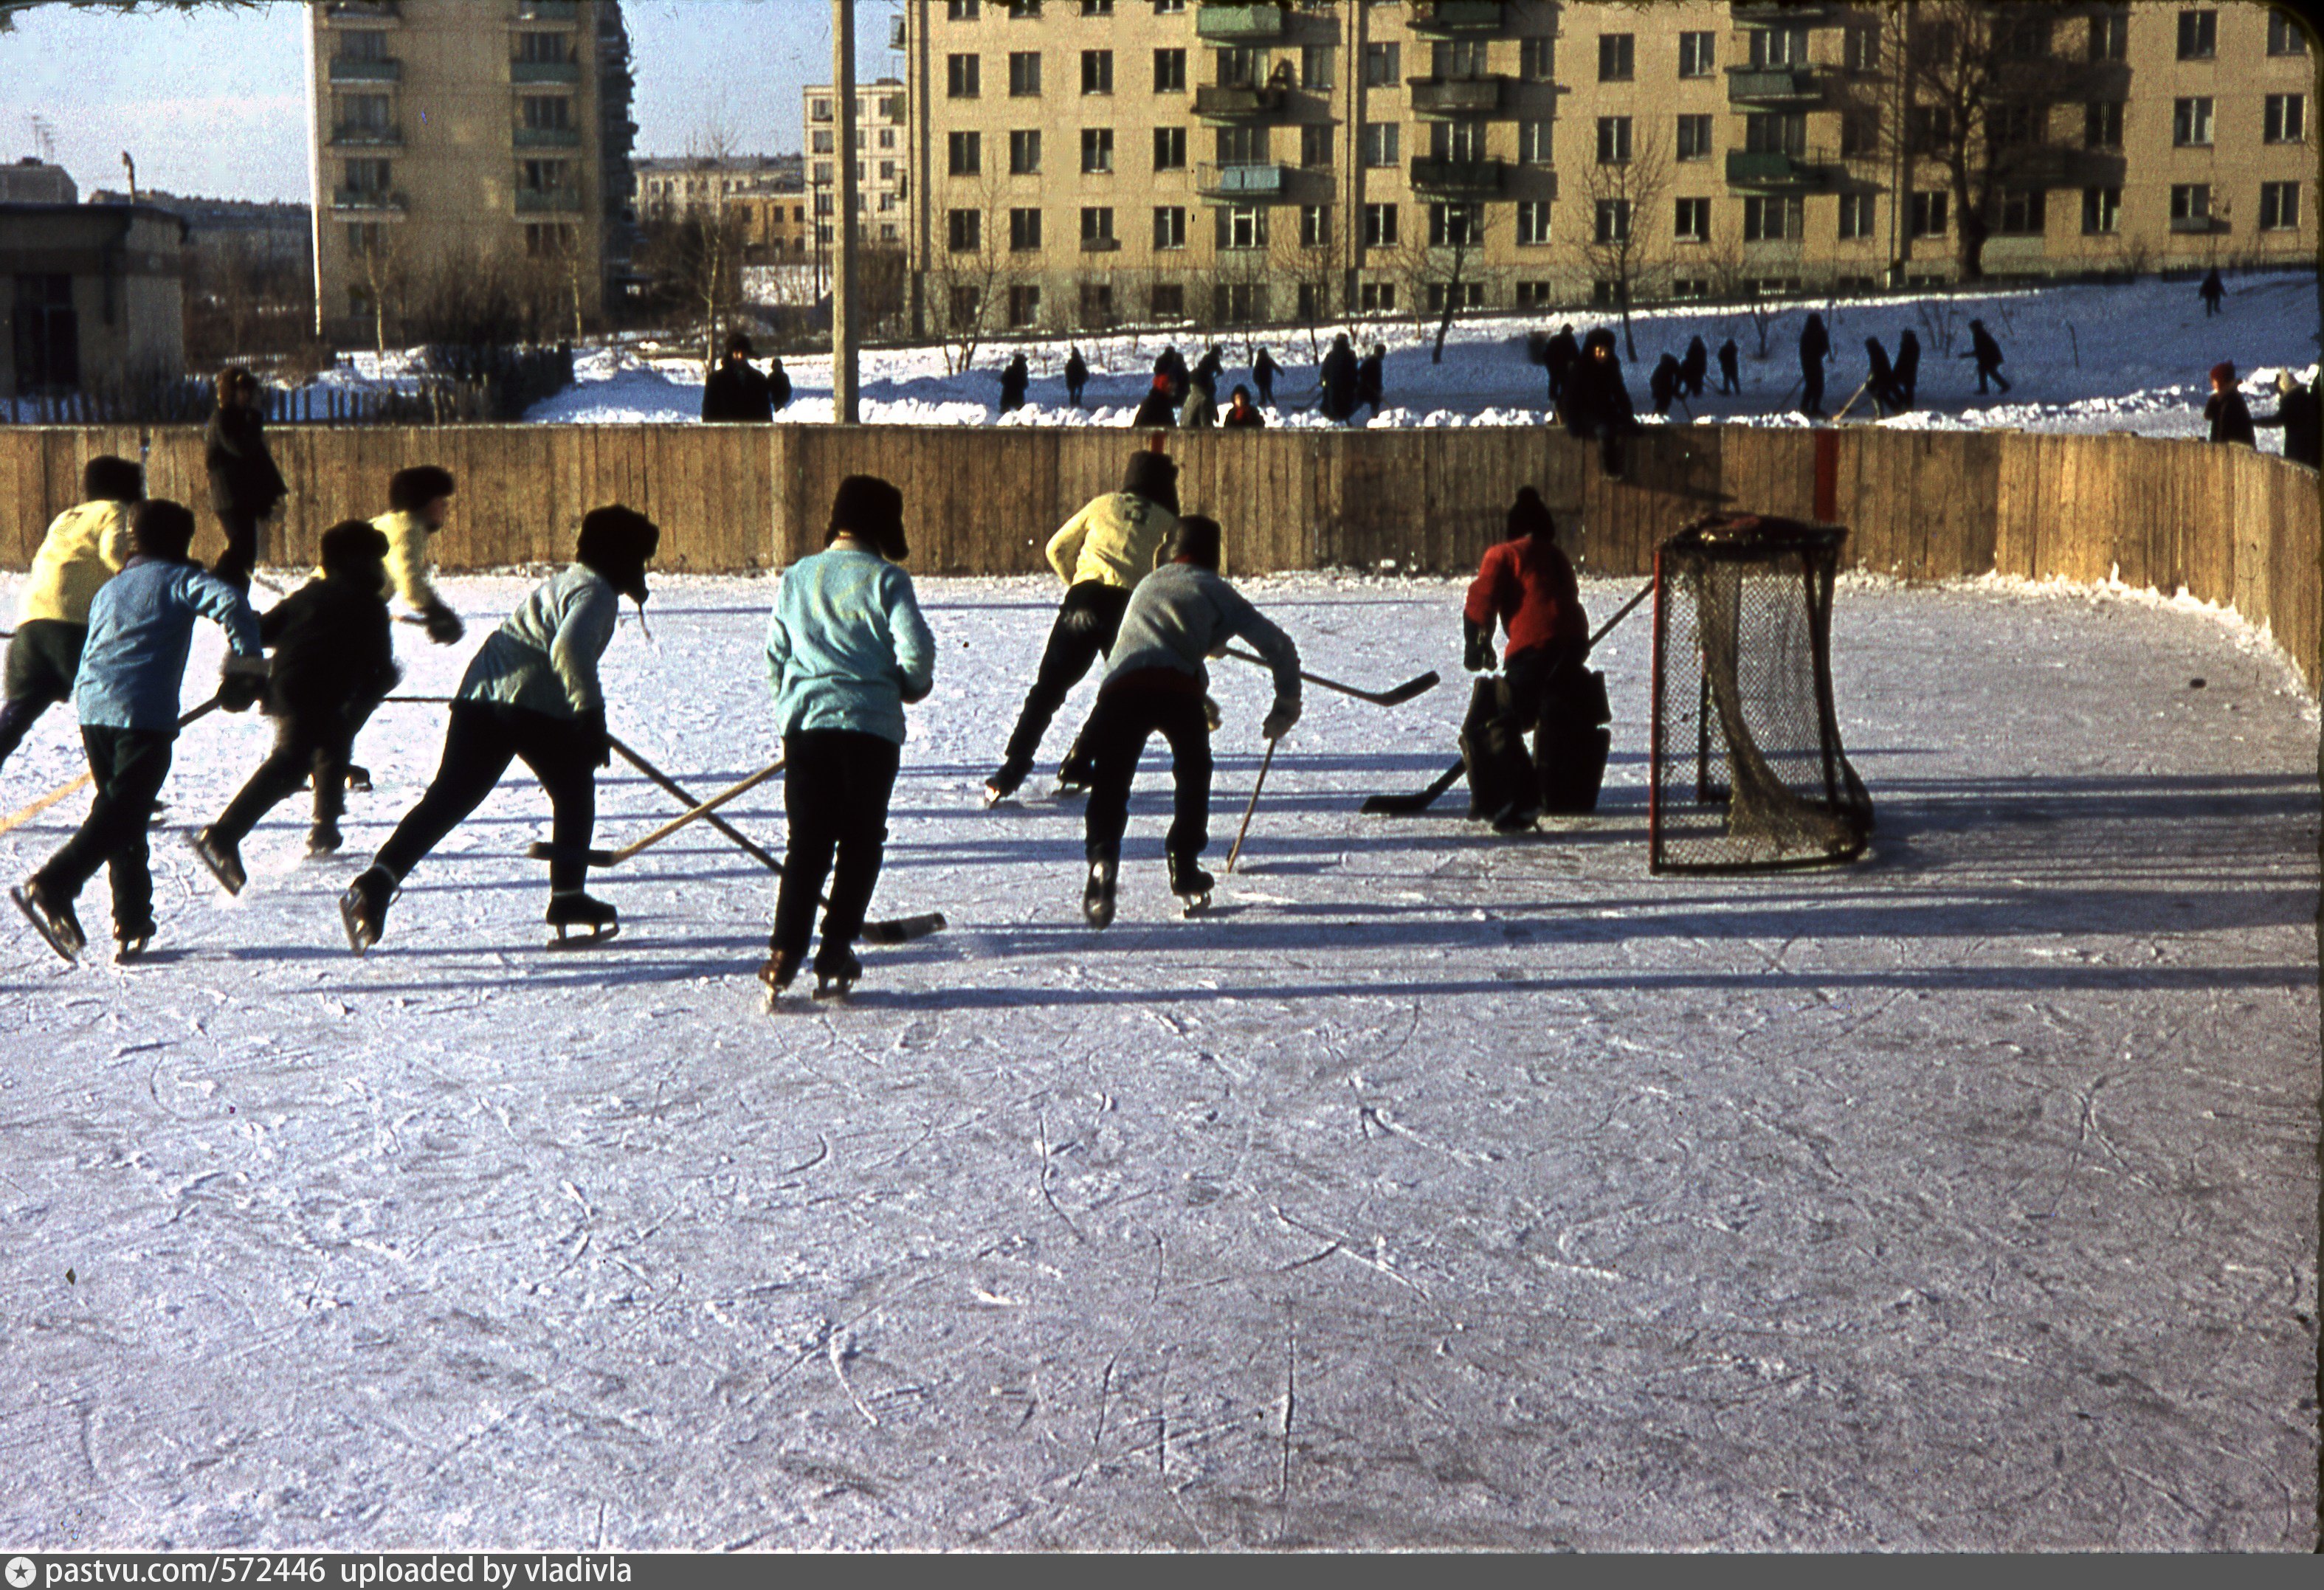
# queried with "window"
point(1532, 222)
point(1694, 55)
point(1169, 226)
point(965, 153)
point(1931, 128)
point(1859, 134)
point(960, 10)
point(1860, 47)
point(961, 76)
point(1616, 57)
point(1167, 301)
point(1097, 7)
point(1466, 295)
point(1097, 226)
point(2190, 121)
point(2199, 35)
point(374, 112)
point(1456, 225)
point(1779, 47)
point(1376, 297)
point(1238, 303)
point(1097, 151)
point(1024, 10)
point(365, 237)
point(1694, 138)
point(1242, 68)
point(1242, 146)
point(964, 230)
point(2024, 36)
point(1097, 71)
point(2109, 36)
point(1692, 222)
point(1532, 295)
point(1024, 151)
point(2279, 206)
point(553, 240)
point(1316, 67)
point(1457, 141)
point(1534, 142)
point(1856, 214)
point(1379, 225)
point(1314, 225)
point(1315, 144)
point(2101, 210)
point(1537, 60)
point(1771, 218)
point(533, 47)
point(1613, 220)
point(2017, 122)
point(821, 143)
point(1928, 219)
point(1170, 149)
point(1097, 303)
point(1170, 7)
point(1024, 74)
point(1024, 305)
point(1242, 226)
point(1613, 141)
point(532, 176)
point(1776, 133)
point(2102, 125)
point(2284, 35)
point(2287, 118)
point(1169, 72)
point(1459, 58)
point(1024, 230)
point(2190, 206)
point(2022, 212)
point(1380, 143)
point(1383, 65)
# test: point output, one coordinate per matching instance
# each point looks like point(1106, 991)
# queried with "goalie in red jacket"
point(1526, 584)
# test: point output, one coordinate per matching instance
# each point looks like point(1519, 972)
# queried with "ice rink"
point(1437, 1190)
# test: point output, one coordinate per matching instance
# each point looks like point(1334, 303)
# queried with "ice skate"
point(837, 981)
point(1097, 895)
point(1518, 817)
point(1004, 783)
point(323, 840)
point(53, 920)
point(1191, 883)
point(363, 909)
point(569, 910)
point(223, 859)
point(358, 779)
point(129, 947)
point(779, 973)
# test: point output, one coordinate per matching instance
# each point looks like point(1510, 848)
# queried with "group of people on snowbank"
point(2299, 413)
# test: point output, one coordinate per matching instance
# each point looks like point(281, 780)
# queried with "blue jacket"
point(544, 655)
point(847, 644)
point(141, 627)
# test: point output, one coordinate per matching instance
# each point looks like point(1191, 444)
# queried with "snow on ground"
point(1439, 1190)
point(2089, 358)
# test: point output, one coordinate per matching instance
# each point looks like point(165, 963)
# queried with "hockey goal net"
point(1747, 770)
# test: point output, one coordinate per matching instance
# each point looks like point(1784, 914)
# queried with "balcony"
point(1229, 24)
point(1779, 13)
point(1457, 97)
point(1455, 178)
point(2051, 165)
point(1101, 245)
point(366, 138)
point(1236, 184)
point(366, 13)
point(1220, 102)
point(348, 69)
point(545, 71)
point(370, 201)
point(547, 138)
point(552, 11)
point(2197, 223)
point(1782, 173)
point(1458, 16)
point(1796, 87)
point(554, 201)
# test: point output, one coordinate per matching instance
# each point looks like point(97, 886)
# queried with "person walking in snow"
point(1338, 376)
point(1201, 409)
point(736, 393)
point(1241, 413)
point(1014, 379)
point(333, 660)
point(86, 545)
point(1908, 367)
point(1815, 350)
point(2212, 290)
point(778, 387)
point(1155, 682)
point(1526, 584)
point(1155, 410)
point(2230, 416)
point(1101, 553)
point(1728, 382)
point(1076, 376)
point(1371, 377)
point(1882, 382)
point(1263, 371)
point(1559, 358)
point(1694, 367)
point(1987, 355)
point(245, 484)
point(847, 651)
point(1661, 384)
point(141, 629)
point(2302, 416)
point(530, 692)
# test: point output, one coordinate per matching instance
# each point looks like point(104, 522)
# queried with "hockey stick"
point(550, 853)
point(1419, 801)
point(1394, 697)
point(18, 819)
point(1844, 408)
point(1260, 783)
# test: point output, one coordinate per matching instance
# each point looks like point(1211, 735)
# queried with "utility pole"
point(844, 409)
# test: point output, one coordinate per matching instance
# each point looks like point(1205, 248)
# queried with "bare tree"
point(970, 271)
point(1730, 280)
point(1623, 188)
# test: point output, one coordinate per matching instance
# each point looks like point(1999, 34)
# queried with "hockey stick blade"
point(903, 930)
point(1418, 801)
point(1406, 691)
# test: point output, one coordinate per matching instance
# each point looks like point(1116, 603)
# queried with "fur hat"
point(411, 489)
point(350, 544)
point(871, 509)
point(2223, 371)
point(618, 542)
point(1530, 516)
point(738, 343)
point(162, 528)
point(1152, 475)
point(1197, 540)
point(107, 479)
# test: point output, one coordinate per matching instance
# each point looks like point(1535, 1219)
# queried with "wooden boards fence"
point(2227, 524)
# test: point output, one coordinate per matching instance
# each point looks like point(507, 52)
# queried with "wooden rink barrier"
point(2227, 524)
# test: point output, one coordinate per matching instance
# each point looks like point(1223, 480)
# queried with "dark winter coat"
point(2230, 418)
point(1263, 371)
point(1882, 382)
point(1662, 384)
point(1155, 412)
point(1172, 363)
point(1209, 367)
point(1908, 366)
point(1694, 366)
point(1370, 378)
point(2213, 290)
point(1984, 349)
point(1076, 377)
point(736, 394)
point(1815, 343)
point(1561, 356)
point(331, 644)
point(1339, 378)
point(243, 476)
point(779, 388)
point(1597, 402)
point(1248, 418)
point(1013, 381)
point(1726, 363)
point(2301, 415)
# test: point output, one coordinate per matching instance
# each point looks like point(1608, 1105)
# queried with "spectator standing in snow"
point(1263, 371)
point(1987, 355)
point(1695, 367)
point(1728, 381)
point(1155, 410)
point(779, 386)
point(2298, 411)
point(1013, 383)
point(1561, 356)
point(1662, 385)
point(1815, 350)
point(1596, 402)
point(2212, 290)
point(2229, 415)
point(1908, 367)
point(86, 545)
point(1242, 414)
point(1208, 368)
point(1201, 409)
point(1076, 376)
point(1371, 378)
point(735, 393)
point(1338, 375)
point(1173, 365)
point(1882, 382)
point(245, 484)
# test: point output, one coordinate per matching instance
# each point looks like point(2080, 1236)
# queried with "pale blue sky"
point(213, 104)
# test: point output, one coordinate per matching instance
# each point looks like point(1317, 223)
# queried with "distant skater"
point(1728, 382)
point(1908, 367)
point(1815, 350)
point(1263, 371)
point(2212, 290)
point(1987, 355)
point(1695, 367)
point(1076, 376)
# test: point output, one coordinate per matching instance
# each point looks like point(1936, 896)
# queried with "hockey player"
point(1155, 410)
point(419, 503)
point(1693, 368)
point(1155, 681)
point(1526, 583)
point(1815, 352)
point(1100, 553)
point(1728, 382)
point(141, 627)
point(1076, 376)
point(333, 662)
point(847, 651)
point(532, 692)
point(1201, 409)
point(1263, 371)
point(86, 545)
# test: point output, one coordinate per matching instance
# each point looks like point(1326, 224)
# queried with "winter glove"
point(241, 682)
point(1477, 655)
point(596, 737)
point(444, 627)
point(1280, 722)
point(1212, 718)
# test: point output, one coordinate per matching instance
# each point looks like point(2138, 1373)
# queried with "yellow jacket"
point(1112, 540)
point(86, 547)
point(407, 560)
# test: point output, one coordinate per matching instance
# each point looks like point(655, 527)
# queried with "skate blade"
point(130, 949)
point(584, 941)
point(357, 940)
point(49, 936)
point(834, 993)
point(226, 880)
point(1195, 905)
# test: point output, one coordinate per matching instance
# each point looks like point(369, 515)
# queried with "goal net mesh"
point(1748, 772)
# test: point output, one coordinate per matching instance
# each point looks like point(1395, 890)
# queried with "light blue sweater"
point(847, 644)
point(544, 655)
point(140, 629)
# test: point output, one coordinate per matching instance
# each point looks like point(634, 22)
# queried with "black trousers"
point(1812, 386)
point(130, 766)
point(1560, 706)
point(836, 784)
point(1087, 621)
point(1127, 716)
point(43, 660)
point(241, 554)
point(1994, 371)
point(483, 739)
point(316, 740)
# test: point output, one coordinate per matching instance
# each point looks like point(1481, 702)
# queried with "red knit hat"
point(2223, 371)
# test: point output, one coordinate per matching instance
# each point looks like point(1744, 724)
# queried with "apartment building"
point(882, 160)
point(766, 193)
point(453, 140)
point(1093, 161)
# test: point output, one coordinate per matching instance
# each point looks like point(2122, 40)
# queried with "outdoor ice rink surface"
point(1439, 1190)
